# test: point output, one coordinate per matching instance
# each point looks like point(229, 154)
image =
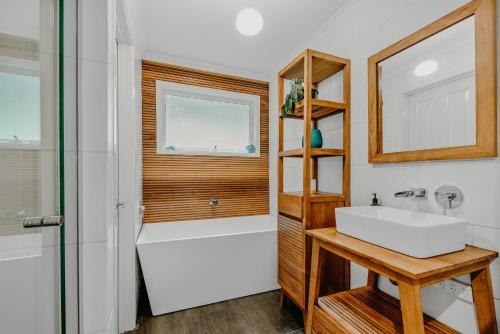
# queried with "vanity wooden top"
point(396, 265)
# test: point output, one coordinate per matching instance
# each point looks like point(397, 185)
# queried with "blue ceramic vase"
point(316, 139)
point(250, 148)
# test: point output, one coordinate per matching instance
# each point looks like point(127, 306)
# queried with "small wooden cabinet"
point(311, 209)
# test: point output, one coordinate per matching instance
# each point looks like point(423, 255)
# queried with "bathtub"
point(192, 263)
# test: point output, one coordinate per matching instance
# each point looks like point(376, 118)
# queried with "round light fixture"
point(425, 68)
point(249, 22)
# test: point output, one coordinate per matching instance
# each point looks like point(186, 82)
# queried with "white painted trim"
point(441, 82)
point(123, 35)
point(129, 214)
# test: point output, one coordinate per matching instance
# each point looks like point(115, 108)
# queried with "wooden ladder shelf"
point(311, 209)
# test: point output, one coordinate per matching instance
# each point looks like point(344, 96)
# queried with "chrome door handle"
point(29, 222)
point(120, 205)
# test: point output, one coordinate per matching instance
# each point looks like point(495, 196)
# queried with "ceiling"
point(204, 30)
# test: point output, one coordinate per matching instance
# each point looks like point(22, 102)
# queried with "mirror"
point(430, 93)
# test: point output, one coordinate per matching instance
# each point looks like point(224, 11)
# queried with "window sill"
point(210, 154)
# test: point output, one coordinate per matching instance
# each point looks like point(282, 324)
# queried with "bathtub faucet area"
point(213, 202)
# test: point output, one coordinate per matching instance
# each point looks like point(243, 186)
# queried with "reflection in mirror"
point(428, 92)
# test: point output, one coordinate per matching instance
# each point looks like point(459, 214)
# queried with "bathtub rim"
point(269, 226)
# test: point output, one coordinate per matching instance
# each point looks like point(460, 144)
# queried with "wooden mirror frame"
point(486, 114)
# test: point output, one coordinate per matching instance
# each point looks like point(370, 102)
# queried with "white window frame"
point(169, 88)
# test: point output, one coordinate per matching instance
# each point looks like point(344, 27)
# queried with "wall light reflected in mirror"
point(426, 68)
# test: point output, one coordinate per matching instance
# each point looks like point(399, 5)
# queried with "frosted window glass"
point(19, 108)
point(194, 124)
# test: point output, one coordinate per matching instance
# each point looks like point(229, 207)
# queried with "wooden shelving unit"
point(311, 209)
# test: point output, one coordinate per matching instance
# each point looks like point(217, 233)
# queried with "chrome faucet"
point(403, 194)
point(449, 197)
point(415, 193)
point(213, 202)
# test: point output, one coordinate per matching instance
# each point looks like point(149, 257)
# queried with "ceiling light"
point(425, 68)
point(249, 22)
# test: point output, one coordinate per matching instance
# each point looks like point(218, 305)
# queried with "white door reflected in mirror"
point(428, 92)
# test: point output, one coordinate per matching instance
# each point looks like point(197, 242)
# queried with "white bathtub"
point(198, 262)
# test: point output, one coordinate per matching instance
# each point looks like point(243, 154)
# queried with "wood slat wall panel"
point(177, 187)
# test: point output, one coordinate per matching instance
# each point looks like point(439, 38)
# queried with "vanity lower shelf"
point(365, 310)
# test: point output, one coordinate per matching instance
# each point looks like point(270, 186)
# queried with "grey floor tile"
point(257, 314)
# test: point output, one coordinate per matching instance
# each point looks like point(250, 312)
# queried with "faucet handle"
point(449, 197)
point(213, 202)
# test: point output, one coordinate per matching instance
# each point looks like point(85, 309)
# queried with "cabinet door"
point(291, 258)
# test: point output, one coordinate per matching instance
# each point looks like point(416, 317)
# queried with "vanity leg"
point(314, 282)
point(372, 279)
point(483, 300)
point(411, 308)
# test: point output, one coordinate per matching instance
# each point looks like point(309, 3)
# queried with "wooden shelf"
point(317, 196)
point(367, 310)
point(292, 204)
point(320, 109)
point(323, 66)
point(315, 152)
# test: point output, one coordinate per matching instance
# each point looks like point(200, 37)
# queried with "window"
point(19, 110)
point(204, 121)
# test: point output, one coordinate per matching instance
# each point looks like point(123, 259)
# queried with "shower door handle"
point(44, 221)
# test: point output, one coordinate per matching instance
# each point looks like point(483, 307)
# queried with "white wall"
point(96, 166)
point(359, 30)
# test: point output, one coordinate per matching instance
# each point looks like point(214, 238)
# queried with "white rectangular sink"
point(412, 233)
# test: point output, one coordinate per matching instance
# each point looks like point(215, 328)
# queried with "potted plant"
point(296, 95)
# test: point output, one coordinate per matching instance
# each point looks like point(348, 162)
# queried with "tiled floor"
point(257, 314)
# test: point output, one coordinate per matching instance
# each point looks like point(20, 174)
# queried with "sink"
point(412, 233)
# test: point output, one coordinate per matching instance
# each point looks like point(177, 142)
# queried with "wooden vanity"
point(370, 310)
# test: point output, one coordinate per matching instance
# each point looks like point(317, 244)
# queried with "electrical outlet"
point(458, 289)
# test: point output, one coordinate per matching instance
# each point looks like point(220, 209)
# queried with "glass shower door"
point(30, 184)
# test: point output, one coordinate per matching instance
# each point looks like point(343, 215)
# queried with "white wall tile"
point(71, 288)
point(385, 181)
point(359, 101)
point(449, 309)
point(94, 287)
point(359, 276)
point(497, 309)
point(476, 179)
point(94, 30)
point(415, 16)
point(330, 174)
point(94, 198)
point(94, 106)
point(490, 239)
point(359, 146)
